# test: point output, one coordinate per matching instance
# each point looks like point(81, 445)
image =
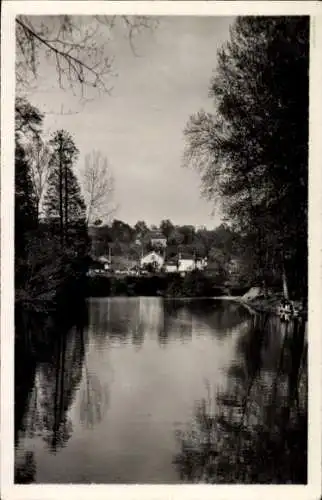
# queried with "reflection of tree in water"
point(118, 320)
point(25, 469)
point(181, 317)
point(221, 316)
point(54, 389)
point(94, 398)
point(258, 433)
point(177, 322)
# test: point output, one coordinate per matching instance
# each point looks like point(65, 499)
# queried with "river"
point(118, 397)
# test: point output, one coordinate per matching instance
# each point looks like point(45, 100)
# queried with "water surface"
point(108, 404)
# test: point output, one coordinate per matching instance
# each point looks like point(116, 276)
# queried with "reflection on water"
point(258, 430)
point(109, 403)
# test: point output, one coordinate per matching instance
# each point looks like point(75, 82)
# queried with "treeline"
point(51, 238)
point(252, 151)
point(221, 245)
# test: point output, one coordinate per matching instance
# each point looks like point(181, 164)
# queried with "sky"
point(139, 127)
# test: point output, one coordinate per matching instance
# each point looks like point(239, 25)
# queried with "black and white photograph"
point(161, 214)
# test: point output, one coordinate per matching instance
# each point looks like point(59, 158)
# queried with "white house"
point(187, 265)
point(201, 264)
point(152, 258)
point(105, 261)
point(171, 266)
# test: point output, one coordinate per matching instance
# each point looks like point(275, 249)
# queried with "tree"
point(188, 233)
point(63, 200)
point(176, 237)
point(25, 212)
point(166, 227)
point(252, 153)
point(141, 229)
point(71, 44)
point(98, 187)
point(121, 231)
point(28, 123)
point(38, 154)
point(219, 261)
point(28, 120)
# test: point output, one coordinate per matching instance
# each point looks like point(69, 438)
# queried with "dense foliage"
point(221, 245)
point(194, 284)
point(50, 250)
point(252, 152)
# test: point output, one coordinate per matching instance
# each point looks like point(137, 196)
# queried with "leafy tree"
point(188, 233)
point(176, 237)
point(141, 229)
point(25, 213)
point(121, 231)
point(166, 227)
point(253, 151)
point(28, 120)
point(63, 200)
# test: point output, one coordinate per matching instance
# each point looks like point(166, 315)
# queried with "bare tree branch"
point(70, 62)
point(98, 187)
point(38, 154)
point(76, 45)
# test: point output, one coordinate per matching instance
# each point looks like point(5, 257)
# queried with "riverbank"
point(193, 285)
point(260, 303)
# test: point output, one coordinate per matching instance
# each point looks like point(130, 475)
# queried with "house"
point(105, 262)
point(188, 264)
point(153, 259)
point(157, 239)
point(201, 264)
point(98, 266)
point(171, 266)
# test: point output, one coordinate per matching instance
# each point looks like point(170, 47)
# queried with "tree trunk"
point(285, 286)
point(61, 212)
point(66, 204)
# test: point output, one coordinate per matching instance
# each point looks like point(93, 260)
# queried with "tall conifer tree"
point(63, 200)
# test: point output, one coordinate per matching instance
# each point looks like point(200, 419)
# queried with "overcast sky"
point(140, 126)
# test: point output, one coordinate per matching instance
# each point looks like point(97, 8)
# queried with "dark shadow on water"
point(129, 320)
point(258, 430)
point(118, 319)
point(183, 317)
point(49, 356)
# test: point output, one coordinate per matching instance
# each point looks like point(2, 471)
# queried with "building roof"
point(186, 256)
point(189, 256)
point(157, 235)
point(153, 252)
point(102, 258)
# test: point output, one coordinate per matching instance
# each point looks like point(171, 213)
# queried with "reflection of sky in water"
point(116, 393)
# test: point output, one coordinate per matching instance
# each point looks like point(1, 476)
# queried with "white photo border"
point(159, 8)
